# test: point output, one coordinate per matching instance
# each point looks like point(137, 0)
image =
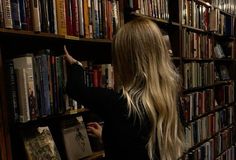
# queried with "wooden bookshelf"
point(15, 42)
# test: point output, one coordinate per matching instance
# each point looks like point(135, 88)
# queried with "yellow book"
point(61, 17)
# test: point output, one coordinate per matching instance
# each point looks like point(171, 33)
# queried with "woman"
point(140, 116)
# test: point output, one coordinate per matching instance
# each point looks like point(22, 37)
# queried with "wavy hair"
point(145, 73)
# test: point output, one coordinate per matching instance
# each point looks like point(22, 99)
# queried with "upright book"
point(26, 87)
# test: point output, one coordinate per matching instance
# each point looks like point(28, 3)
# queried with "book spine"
point(45, 83)
point(22, 94)
point(12, 92)
point(36, 16)
point(68, 10)
point(61, 17)
point(86, 19)
point(7, 14)
point(1, 15)
point(15, 8)
point(81, 18)
point(23, 14)
point(54, 17)
point(44, 16)
point(28, 15)
point(51, 16)
point(75, 17)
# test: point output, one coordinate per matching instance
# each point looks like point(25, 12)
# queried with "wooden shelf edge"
point(50, 35)
point(156, 19)
point(95, 155)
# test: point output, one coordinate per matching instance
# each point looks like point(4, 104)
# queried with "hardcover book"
point(76, 139)
point(39, 144)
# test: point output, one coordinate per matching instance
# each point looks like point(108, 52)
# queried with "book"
point(36, 16)
point(1, 15)
point(219, 53)
point(15, 8)
point(61, 17)
point(39, 144)
point(7, 14)
point(12, 90)
point(22, 93)
point(76, 139)
point(26, 87)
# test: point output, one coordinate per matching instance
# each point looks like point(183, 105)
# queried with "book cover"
point(76, 139)
point(39, 144)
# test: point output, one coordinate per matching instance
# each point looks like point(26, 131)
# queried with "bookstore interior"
point(38, 120)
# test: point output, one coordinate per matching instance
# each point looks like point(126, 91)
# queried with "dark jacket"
point(124, 137)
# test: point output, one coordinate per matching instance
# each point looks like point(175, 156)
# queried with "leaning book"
point(76, 139)
point(40, 145)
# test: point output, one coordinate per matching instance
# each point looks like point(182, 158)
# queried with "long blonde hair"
point(147, 76)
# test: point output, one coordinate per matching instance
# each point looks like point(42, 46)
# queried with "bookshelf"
point(25, 34)
point(179, 19)
point(199, 26)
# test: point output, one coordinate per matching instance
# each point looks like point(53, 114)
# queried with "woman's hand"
point(94, 129)
point(68, 57)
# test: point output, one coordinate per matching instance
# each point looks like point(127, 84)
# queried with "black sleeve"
point(100, 100)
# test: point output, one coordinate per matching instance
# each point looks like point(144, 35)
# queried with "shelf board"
point(224, 59)
point(156, 19)
point(44, 120)
point(205, 87)
point(176, 58)
point(197, 59)
point(230, 37)
point(207, 139)
point(194, 29)
point(216, 108)
point(29, 33)
point(95, 155)
point(48, 36)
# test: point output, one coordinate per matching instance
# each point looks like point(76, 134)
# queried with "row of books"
point(153, 8)
point(228, 6)
point(195, 14)
point(80, 18)
point(222, 23)
point(216, 148)
point(197, 104)
point(196, 45)
point(203, 17)
point(37, 84)
point(39, 142)
point(207, 126)
point(198, 74)
point(98, 75)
